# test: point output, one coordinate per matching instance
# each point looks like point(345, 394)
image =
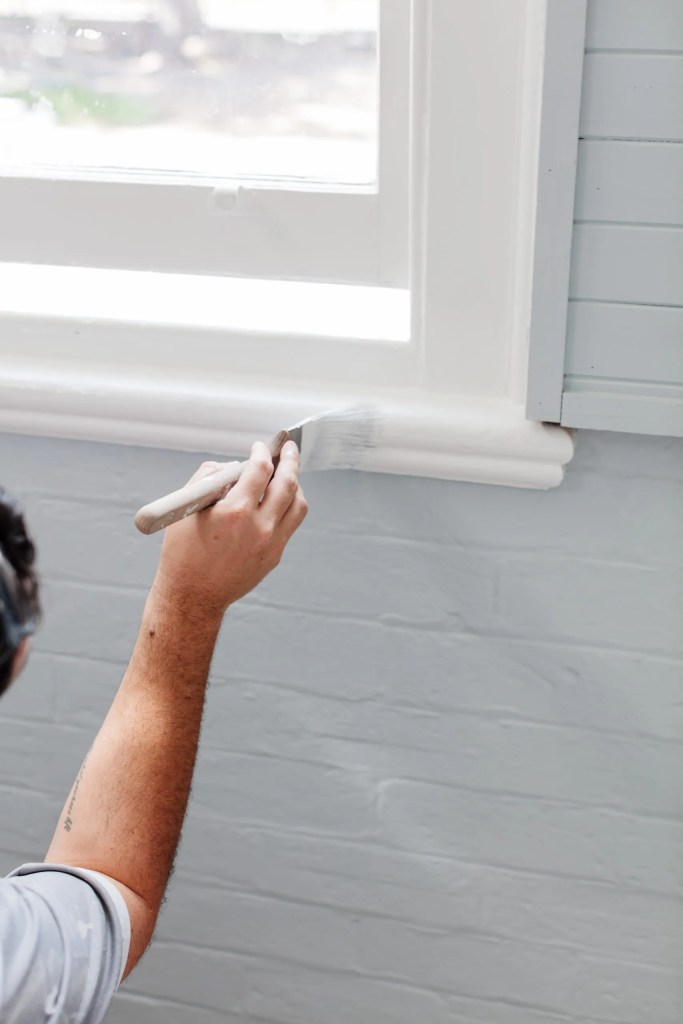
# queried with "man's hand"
point(213, 558)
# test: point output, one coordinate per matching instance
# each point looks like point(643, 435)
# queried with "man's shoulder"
point(62, 945)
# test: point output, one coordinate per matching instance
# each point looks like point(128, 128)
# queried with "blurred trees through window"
point(224, 88)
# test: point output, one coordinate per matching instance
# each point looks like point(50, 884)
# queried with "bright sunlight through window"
point(207, 88)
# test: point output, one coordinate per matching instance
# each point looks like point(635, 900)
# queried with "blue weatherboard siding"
point(624, 357)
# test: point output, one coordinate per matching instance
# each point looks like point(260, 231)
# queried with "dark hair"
point(19, 595)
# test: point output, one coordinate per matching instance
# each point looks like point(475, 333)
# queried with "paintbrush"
point(338, 439)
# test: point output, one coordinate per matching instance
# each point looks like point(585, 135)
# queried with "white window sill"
point(129, 383)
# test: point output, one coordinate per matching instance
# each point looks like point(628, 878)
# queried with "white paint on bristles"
point(338, 439)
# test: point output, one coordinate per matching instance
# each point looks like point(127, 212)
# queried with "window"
point(159, 307)
point(193, 88)
point(207, 136)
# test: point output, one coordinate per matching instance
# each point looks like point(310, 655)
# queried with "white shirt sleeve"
point(64, 939)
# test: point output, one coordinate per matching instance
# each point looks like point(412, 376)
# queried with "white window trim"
point(565, 40)
point(452, 398)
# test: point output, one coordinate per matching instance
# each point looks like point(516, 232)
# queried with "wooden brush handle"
point(191, 498)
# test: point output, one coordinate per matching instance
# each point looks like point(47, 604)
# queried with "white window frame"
point(451, 388)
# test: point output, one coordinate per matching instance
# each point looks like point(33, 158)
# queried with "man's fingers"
point(284, 485)
point(295, 515)
point(252, 485)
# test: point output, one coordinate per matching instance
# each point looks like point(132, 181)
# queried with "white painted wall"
point(440, 777)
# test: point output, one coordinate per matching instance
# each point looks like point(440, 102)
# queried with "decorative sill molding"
point(449, 438)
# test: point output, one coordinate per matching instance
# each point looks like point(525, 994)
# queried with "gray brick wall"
point(441, 771)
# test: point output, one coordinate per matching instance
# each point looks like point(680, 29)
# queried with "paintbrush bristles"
point(339, 439)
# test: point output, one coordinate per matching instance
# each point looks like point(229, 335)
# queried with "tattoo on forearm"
point(68, 821)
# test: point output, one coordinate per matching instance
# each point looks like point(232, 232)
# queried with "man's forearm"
point(125, 811)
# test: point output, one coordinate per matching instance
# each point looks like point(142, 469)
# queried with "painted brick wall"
point(441, 770)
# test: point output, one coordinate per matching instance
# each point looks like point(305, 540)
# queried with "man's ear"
point(20, 658)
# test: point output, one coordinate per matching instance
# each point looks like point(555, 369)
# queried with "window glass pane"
point(223, 88)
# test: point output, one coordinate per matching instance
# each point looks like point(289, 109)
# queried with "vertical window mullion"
point(393, 139)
